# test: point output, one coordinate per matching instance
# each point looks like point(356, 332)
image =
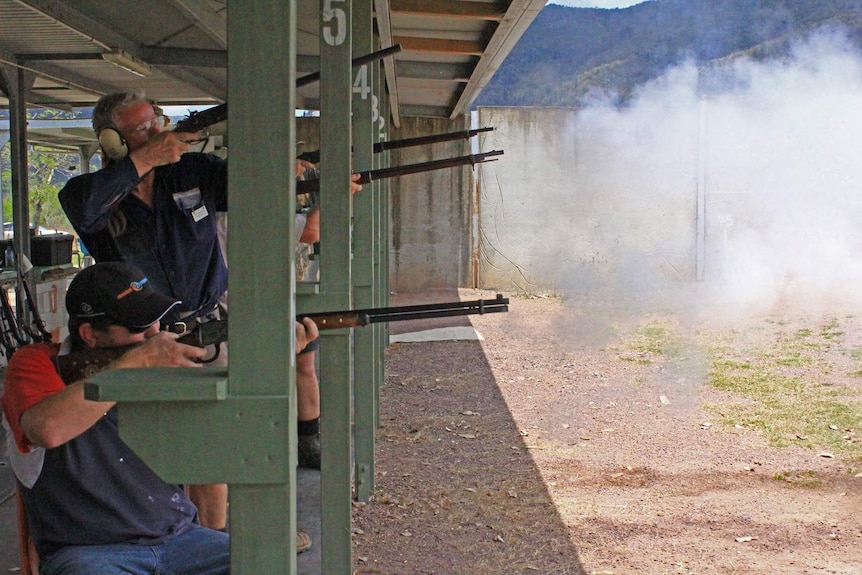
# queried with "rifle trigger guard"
point(215, 355)
point(178, 327)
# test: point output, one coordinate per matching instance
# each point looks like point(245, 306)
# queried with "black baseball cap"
point(118, 291)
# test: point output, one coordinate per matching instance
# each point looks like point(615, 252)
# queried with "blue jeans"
point(198, 551)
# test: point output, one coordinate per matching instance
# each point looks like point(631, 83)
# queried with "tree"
point(47, 173)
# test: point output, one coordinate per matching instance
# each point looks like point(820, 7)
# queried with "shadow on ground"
point(456, 489)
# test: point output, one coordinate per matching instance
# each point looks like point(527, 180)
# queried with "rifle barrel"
point(432, 139)
point(362, 317)
point(314, 156)
point(197, 121)
point(309, 186)
point(356, 62)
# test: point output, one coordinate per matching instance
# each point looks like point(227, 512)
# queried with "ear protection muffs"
point(113, 143)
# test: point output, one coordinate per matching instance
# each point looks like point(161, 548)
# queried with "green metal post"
point(262, 65)
point(196, 426)
point(364, 286)
point(381, 215)
point(336, 353)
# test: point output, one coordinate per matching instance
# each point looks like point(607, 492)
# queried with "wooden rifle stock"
point(313, 185)
point(85, 364)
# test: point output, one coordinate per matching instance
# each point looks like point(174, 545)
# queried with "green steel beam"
point(364, 248)
point(336, 353)
point(261, 64)
point(188, 427)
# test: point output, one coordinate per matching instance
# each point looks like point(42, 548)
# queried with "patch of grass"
point(806, 478)
point(655, 338)
point(637, 360)
point(776, 393)
point(831, 329)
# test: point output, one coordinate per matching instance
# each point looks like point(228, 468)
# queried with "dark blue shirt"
point(174, 242)
point(93, 489)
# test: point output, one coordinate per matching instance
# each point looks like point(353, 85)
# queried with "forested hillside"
point(569, 52)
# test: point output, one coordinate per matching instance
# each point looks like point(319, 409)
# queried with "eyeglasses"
point(144, 128)
point(133, 329)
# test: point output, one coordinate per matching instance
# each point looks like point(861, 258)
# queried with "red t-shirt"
point(30, 377)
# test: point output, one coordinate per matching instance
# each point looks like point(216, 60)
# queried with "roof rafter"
point(449, 9)
point(441, 45)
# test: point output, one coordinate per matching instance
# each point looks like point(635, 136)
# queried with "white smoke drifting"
point(768, 166)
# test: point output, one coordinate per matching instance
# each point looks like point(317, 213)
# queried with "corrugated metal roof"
point(451, 48)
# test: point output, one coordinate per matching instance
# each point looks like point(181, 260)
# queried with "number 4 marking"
point(360, 83)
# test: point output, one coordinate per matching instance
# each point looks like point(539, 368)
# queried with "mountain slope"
point(569, 52)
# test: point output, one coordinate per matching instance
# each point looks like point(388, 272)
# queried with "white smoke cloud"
point(771, 159)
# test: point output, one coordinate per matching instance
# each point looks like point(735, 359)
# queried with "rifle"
point(198, 121)
point(9, 326)
point(313, 185)
point(314, 157)
point(85, 364)
point(39, 333)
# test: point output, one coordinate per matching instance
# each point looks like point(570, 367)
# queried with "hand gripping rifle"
point(199, 121)
point(83, 365)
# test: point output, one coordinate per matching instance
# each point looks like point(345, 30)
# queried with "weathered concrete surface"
point(429, 217)
point(430, 212)
point(572, 209)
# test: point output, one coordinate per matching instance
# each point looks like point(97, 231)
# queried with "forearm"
point(89, 199)
point(311, 231)
point(62, 417)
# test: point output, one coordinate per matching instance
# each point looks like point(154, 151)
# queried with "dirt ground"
point(559, 445)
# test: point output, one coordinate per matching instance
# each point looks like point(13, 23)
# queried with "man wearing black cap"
point(92, 505)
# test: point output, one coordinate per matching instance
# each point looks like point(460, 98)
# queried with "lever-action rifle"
point(198, 121)
point(314, 156)
point(83, 365)
point(313, 185)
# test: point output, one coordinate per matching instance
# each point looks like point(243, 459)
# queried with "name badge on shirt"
point(200, 213)
point(192, 201)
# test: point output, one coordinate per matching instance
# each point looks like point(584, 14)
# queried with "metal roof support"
point(262, 292)
point(336, 282)
point(382, 196)
point(199, 426)
point(384, 28)
point(381, 224)
point(366, 237)
point(15, 83)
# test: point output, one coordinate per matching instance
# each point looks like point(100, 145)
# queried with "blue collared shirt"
point(174, 242)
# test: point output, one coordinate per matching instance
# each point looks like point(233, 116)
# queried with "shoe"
point(303, 541)
point(309, 451)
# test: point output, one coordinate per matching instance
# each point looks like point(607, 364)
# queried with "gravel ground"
point(559, 444)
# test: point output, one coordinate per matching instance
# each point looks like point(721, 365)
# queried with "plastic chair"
point(27, 549)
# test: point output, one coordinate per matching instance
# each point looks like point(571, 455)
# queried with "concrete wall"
point(574, 206)
point(430, 212)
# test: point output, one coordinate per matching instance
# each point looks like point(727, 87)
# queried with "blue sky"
point(597, 3)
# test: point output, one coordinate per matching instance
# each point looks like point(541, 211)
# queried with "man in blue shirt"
point(93, 506)
point(153, 205)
